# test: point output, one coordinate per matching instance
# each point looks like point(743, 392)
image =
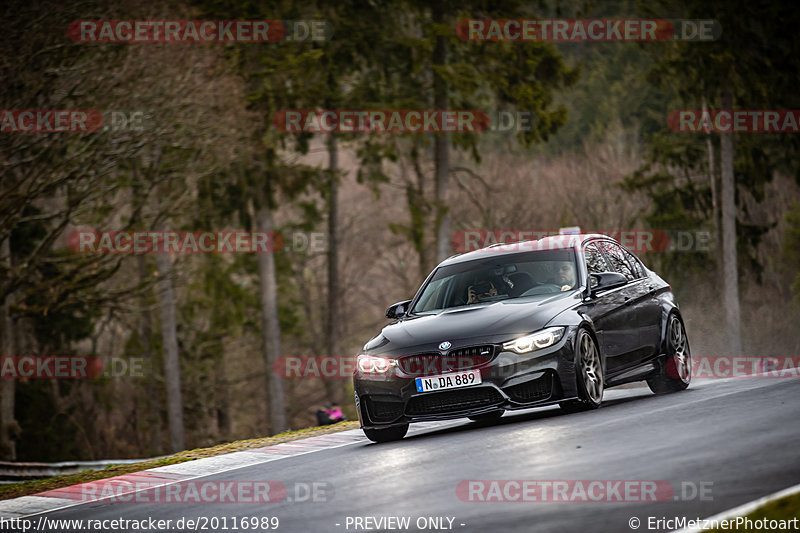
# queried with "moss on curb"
point(15, 490)
point(783, 509)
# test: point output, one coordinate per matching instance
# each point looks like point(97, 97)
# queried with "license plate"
point(449, 381)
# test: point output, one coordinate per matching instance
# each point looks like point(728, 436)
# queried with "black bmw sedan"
point(515, 326)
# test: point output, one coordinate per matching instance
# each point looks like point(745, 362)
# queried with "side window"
point(431, 298)
point(617, 259)
point(595, 262)
point(636, 266)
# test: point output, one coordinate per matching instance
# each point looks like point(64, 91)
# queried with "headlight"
point(535, 341)
point(370, 364)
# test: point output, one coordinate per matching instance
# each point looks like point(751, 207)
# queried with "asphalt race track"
point(737, 438)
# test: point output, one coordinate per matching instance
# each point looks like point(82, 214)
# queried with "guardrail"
point(12, 472)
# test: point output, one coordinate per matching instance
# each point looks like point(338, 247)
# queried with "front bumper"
point(509, 381)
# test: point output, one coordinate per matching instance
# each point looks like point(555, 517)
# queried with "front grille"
point(432, 364)
point(452, 401)
point(483, 351)
point(384, 411)
point(531, 391)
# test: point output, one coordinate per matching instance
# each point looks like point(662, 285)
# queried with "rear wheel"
point(676, 373)
point(589, 374)
point(386, 434)
point(487, 417)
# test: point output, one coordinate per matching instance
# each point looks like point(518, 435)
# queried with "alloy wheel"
point(679, 349)
point(591, 368)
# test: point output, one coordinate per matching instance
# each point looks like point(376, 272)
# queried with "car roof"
point(552, 242)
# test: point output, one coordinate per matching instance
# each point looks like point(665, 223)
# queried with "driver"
point(565, 275)
point(480, 290)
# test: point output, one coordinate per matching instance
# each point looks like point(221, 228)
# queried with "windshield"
point(498, 278)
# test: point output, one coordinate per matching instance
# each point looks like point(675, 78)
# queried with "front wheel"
point(677, 370)
point(589, 374)
point(386, 434)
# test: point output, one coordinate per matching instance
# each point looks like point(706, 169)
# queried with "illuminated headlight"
point(370, 364)
point(535, 341)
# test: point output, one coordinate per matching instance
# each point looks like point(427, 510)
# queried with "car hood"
point(488, 323)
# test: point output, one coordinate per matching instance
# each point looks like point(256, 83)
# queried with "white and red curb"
point(161, 476)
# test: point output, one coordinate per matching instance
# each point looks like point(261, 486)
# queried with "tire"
point(676, 372)
point(386, 434)
point(487, 417)
point(588, 373)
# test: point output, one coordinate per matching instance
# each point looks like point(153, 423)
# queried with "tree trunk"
point(152, 415)
point(222, 398)
point(427, 250)
point(150, 392)
point(270, 326)
point(8, 423)
point(332, 334)
point(441, 145)
point(730, 270)
point(169, 335)
point(715, 211)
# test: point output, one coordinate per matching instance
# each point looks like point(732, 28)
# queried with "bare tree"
point(730, 271)
point(333, 329)
point(8, 422)
point(271, 332)
point(169, 335)
point(441, 145)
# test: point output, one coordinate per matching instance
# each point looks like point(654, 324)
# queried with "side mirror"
point(397, 310)
point(605, 280)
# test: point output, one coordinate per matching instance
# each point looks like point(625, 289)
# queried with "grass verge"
point(26, 488)
point(784, 509)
